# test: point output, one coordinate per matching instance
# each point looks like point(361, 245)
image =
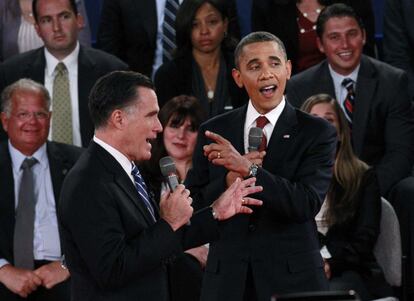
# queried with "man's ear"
point(237, 78)
point(117, 119)
point(4, 120)
point(288, 69)
point(320, 45)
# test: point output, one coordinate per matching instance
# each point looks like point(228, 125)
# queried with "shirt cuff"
point(325, 253)
point(3, 262)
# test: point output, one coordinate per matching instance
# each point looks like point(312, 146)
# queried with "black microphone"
point(255, 138)
point(169, 172)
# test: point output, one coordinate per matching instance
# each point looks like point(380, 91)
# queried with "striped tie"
point(168, 29)
point(349, 99)
point(142, 189)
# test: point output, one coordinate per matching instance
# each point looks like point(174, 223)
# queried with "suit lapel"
point(36, 69)
point(147, 11)
point(122, 180)
point(365, 90)
point(282, 137)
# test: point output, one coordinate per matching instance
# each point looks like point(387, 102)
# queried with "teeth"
point(268, 88)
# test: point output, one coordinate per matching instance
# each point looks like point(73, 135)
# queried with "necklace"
point(210, 94)
point(317, 12)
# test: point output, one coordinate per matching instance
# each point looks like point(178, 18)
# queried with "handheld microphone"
point(169, 172)
point(255, 138)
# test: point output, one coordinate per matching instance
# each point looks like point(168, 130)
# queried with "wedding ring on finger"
point(243, 201)
point(218, 155)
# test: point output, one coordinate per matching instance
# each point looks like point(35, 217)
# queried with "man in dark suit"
point(381, 120)
point(84, 65)
point(116, 241)
point(276, 249)
point(25, 116)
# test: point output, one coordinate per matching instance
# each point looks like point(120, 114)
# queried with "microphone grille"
point(167, 166)
point(255, 137)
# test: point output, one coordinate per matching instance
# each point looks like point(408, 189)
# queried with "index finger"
point(216, 137)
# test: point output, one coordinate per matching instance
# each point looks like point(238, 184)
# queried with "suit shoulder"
point(316, 124)
point(383, 68)
point(22, 58)
point(104, 58)
point(69, 151)
point(223, 120)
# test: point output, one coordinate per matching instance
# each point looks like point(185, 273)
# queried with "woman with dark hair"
point(180, 118)
point(350, 217)
point(203, 59)
point(294, 22)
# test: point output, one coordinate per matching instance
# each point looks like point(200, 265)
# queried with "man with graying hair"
point(31, 172)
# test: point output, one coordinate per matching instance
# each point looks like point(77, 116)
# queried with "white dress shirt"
point(71, 63)
point(46, 240)
point(251, 116)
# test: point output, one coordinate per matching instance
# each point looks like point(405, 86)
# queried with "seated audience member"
point(17, 32)
point(134, 31)
point(398, 42)
point(352, 212)
point(203, 60)
point(31, 171)
point(374, 98)
point(180, 118)
point(67, 69)
point(294, 22)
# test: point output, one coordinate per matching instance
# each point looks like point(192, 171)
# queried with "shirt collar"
point(17, 157)
point(70, 61)
point(338, 78)
point(272, 116)
point(119, 157)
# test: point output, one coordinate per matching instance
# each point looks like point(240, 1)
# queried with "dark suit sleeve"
point(397, 161)
point(398, 42)
point(353, 244)
point(110, 37)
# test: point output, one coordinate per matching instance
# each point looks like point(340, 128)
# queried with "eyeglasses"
point(25, 116)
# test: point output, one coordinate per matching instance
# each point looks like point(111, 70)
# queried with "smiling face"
point(208, 29)
point(140, 125)
point(180, 140)
point(58, 26)
point(28, 122)
point(263, 71)
point(342, 42)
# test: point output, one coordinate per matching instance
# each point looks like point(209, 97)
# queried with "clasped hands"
point(23, 282)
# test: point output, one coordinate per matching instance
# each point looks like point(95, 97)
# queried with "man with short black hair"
point(67, 69)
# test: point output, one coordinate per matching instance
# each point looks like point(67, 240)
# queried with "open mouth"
point(268, 90)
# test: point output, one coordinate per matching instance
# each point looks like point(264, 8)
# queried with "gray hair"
point(23, 84)
point(257, 37)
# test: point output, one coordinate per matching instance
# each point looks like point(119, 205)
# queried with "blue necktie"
point(142, 189)
point(168, 29)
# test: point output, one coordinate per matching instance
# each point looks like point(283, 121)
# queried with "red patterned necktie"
point(261, 121)
point(349, 101)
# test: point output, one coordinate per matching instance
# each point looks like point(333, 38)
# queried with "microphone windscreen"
point(167, 166)
point(255, 138)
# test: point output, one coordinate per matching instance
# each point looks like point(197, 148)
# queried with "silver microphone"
point(255, 138)
point(169, 172)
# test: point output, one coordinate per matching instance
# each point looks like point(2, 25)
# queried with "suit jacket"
point(128, 29)
point(114, 249)
point(282, 22)
point(279, 241)
point(92, 64)
point(176, 77)
point(61, 159)
point(398, 42)
point(10, 19)
point(382, 128)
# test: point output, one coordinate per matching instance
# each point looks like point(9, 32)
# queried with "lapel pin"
point(287, 136)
